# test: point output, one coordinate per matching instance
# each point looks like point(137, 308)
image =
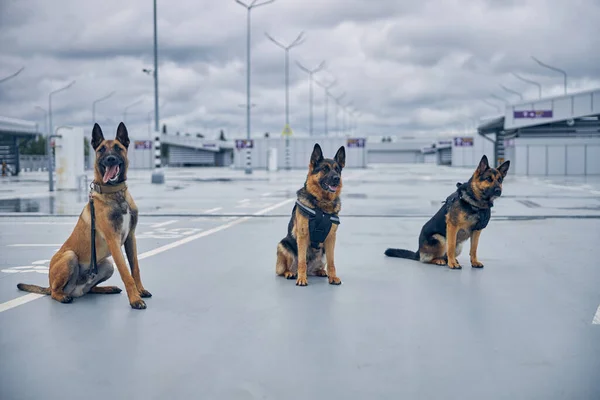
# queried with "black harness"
point(101, 189)
point(319, 223)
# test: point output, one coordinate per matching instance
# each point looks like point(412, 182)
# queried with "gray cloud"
point(409, 67)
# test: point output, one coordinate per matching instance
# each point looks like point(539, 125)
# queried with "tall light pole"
point(48, 147)
point(553, 69)
point(12, 75)
point(297, 42)
point(532, 83)
point(135, 103)
point(97, 101)
point(512, 91)
point(489, 103)
point(327, 94)
point(45, 117)
point(310, 73)
point(337, 110)
point(249, 7)
point(344, 112)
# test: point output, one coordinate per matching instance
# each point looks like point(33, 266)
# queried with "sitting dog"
point(81, 264)
point(314, 222)
point(464, 214)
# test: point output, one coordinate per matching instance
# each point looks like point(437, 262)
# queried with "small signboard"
point(287, 131)
point(463, 141)
point(533, 114)
point(355, 142)
point(244, 143)
point(142, 144)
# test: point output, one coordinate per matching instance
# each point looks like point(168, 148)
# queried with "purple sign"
point(463, 141)
point(533, 114)
point(142, 144)
point(360, 142)
point(244, 144)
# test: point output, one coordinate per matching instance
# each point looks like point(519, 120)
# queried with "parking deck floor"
point(221, 325)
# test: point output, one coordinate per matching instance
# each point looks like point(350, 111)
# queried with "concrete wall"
point(561, 156)
point(463, 156)
point(300, 151)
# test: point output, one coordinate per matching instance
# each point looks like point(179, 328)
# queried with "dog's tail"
point(401, 253)
point(33, 288)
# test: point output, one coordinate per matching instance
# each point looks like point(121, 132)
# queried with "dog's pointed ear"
point(503, 168)
point(340, 157)
point(122, 135)
point(97, 136)
point(483, 165)
point(317, 155)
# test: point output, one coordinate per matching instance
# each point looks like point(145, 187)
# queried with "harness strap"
point(319, 223)
point(108, 189)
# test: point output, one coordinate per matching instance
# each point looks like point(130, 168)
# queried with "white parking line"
point(266, 194)
point(596, 320)
point(212, 210)
point(19, 301)
point(161, 224)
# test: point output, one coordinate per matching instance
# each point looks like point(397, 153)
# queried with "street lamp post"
point(512, 91)
point(553, 69)
point(135, 103)
point(310, 73)
point(12, 75)
point(337, 110)
point(327, 94)
point(248, 104)
point(297, 42)
point(531, 82)
point(97, 101)
point(48, 147)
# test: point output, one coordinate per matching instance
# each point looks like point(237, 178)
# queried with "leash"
point(94, 266)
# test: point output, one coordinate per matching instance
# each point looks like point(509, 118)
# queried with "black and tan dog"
point(116, 217)
point(464, 214)
point(314, 222)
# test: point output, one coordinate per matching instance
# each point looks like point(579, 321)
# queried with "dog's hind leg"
point(64, 273)
point(105, 271)
point(284, 263)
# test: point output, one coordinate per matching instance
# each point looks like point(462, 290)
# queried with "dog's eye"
point(102, 149)
point(490, 179)
point(117, 148)
point(500, 180)
point(326, 168)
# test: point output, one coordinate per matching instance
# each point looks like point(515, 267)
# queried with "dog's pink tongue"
point(110, 173)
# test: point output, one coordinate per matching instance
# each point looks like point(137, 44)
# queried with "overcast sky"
point(410, 67)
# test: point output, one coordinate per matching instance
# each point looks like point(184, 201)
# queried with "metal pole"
point(539, 86)
point(310, 80)
point(48, 147)
point(553, 69)
point(97, 101)
point(337, 110)
point(327, 94)
point(12, 76)
point(248, 105)
point(156, 128)
point(512, 91)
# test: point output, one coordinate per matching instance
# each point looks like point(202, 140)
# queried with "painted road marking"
point(596, 320)
point(212, 210)
point(266, 194)
point(40, 262)
point(162, 233)
point(161, 224)
point(19, 301)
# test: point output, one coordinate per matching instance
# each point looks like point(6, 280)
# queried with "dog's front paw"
point(289, 275)
point(145, 293)
point(301, 281)
point(138, 304)
point(476, 264)
point(334, 280)
point(453, 264)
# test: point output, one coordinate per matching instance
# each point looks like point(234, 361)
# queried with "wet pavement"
point(220, 324)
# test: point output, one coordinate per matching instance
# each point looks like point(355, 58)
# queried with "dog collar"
point(108, 189)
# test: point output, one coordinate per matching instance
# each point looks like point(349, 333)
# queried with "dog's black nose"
point(112, 160)
point(497, 192)
point(336, 180)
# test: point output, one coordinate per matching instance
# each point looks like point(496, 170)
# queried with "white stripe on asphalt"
point(19, 301)
point(161, 224)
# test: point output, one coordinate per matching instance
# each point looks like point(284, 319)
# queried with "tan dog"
point(71, 274)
